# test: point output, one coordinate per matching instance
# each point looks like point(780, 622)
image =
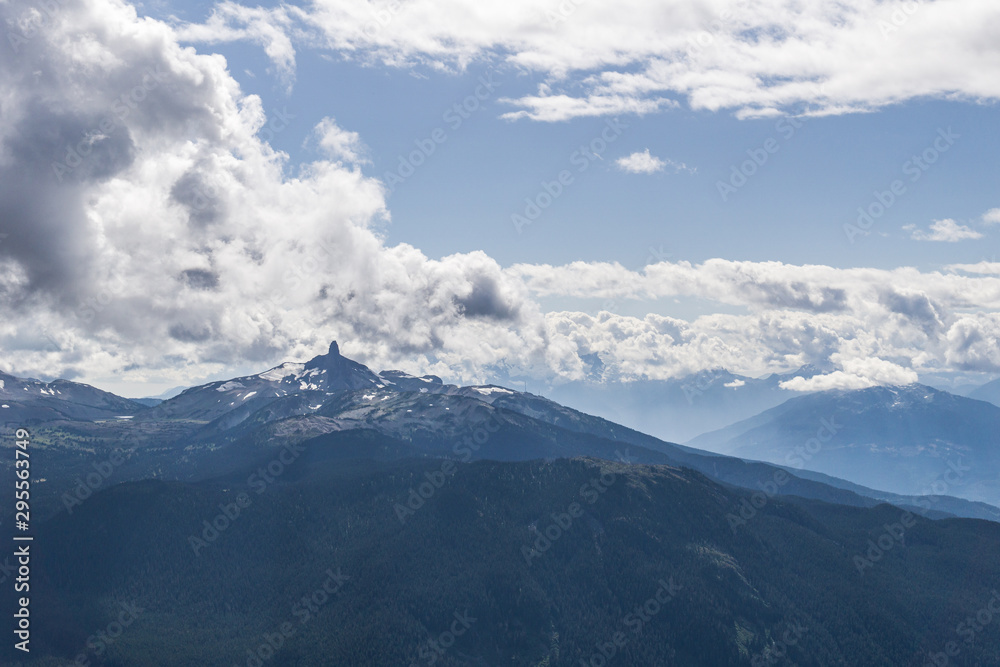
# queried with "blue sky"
point(758, 278)
point(792, 210)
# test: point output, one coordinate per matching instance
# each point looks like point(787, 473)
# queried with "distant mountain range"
point(412, 503)
point(989, 392)
point(150, 401)
point(212, 429)
point(24, 400)
point(680, 409)
point(911, 440)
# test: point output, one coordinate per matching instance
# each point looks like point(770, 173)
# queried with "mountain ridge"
point(23, 400)
point(211, 428)
point(906, 440)
point(544, 578)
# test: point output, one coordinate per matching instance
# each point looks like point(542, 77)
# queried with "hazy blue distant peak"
point(989, 392)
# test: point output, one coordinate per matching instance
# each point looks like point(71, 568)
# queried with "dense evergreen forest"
point(338, 560)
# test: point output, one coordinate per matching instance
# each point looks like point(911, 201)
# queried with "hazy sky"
point(460, 187)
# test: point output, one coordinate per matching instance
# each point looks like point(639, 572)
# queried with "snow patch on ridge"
point(229, 386)
point(279, 373)
point(486, 391)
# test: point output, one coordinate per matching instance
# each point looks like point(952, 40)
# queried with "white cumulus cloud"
point(857, 373)
point(992, 216)
point(945, 231)
point(338, 143)
point(755, 58)
point(640, 163)
point(644, 163)
point(150, 229)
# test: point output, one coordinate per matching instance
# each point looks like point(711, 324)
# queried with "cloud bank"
point(149, 228)
point(760, 58)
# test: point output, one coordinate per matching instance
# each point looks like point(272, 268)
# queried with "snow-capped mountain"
point(26, 400)
point(332, 395)
point(216, 428)
point(314, 380)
